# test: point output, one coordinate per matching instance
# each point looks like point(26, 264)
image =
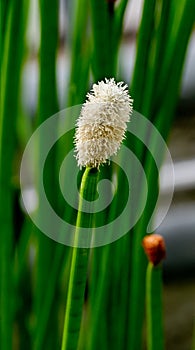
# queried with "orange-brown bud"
point(154, 246)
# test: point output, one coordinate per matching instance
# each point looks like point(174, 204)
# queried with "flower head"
point(102, 123)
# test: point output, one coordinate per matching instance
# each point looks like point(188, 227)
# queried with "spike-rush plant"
point(100, 131)
point(54, 296)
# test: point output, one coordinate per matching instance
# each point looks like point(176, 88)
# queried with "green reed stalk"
point(48, 105)
point(77, 90)
point(10, 82)
point(107, 23)
point(142, 54)
point(167, 103)
point(154, 324)
point(179, 33)
point(155, 249)
point(79, 266)
point(46, 312)
point(106, 30)
point(78, 86)
point(162, 112)
point(109, 286)
point(109, 312)
point(22, 250)
point(156, 55)
point(103, 61)
point(4, 10)
point(137, 260)
point(80, 54)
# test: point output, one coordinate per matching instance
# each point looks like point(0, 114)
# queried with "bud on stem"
point(154, 247)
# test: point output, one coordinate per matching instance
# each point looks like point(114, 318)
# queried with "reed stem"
point(79, 266)
point(10, 83)
point(155, 336)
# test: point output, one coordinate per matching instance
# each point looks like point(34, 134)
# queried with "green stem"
point(106, 29)
point(156, 54)
point(108, 281)
point(144, 41)
point(10, 83)
point(176, 47)
point(48, 105)
point(139, 83)
point(138, 260)
point(79, 266)
point(154, 324)
point(120, 11)
point(49, 300)
point(4, 11)
point(22, 250)
point(162, 114)
point(101, 58)
point(80, 54)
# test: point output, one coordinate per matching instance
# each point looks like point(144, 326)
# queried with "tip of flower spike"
point(154, 247)
point(102, 123)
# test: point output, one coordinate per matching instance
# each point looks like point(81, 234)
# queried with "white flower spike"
point(102, 123)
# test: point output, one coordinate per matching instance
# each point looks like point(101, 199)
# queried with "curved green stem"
point(79, 266)
point(155, 339)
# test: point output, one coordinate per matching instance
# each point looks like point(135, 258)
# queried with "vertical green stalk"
point(4, 11)
point(154, 323)
point(107, 22)
point(48, 105)
point(179, 32)
point(79, 266)
point(137, 261)
point(78, 84)
point(49, 300)
point(109, 309)
point(10, 82)
point(110, 283)
point(161, 111)
point(80, 54)
point(156, 54)
point(106, 31)
point(165, 103)
point(104, 57)
point(142, 55)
